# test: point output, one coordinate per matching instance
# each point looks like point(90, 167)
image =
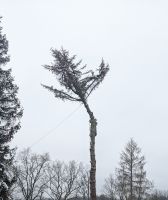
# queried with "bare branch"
point(61, 94)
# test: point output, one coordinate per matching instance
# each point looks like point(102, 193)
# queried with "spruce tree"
point(10, 113)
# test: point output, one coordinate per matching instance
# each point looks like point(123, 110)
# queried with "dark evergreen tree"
point(79, 83)
point(10, 113)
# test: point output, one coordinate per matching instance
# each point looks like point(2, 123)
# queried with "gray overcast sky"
point(132, 36)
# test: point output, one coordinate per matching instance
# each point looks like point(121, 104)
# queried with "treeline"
point(38, 177)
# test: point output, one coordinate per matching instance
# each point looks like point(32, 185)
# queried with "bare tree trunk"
point(88, 195)
point(93, 133)
point(131, 183)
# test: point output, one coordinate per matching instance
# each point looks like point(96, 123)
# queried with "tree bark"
point(93, 133)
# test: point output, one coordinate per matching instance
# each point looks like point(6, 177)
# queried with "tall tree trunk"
point(93, 133)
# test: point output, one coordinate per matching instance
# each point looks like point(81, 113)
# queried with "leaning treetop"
point(78, 82)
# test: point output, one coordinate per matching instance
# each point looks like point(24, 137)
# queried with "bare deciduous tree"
point(30, 170)
point(78, 84)
point(84, 183)
point(122, 190)
point(109, 188)
point(158, 195)
point(62, 180)
point(132, 183)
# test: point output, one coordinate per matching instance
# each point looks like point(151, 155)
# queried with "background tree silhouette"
point(10, 113)
point(132, 182)
point(79, 83)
